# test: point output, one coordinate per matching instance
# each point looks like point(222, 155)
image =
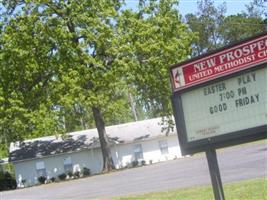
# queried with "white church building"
point(51, 156)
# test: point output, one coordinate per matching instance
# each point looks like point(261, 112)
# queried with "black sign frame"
point(220, 141)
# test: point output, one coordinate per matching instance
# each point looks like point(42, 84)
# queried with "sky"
point(190, 6)
point(232, 6)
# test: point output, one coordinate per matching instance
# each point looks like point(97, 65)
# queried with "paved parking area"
point(236, 163)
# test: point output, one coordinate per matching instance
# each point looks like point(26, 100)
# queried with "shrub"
point(76, 174)
point(62, 176)
point(23, 181)
point(7, 182)
point(134, 163)
point(143, 162)
point(86, 171)
point(53, 179)
point(41, 179)
point(70, 174)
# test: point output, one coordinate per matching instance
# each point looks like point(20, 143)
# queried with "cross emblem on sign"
point(177, 78)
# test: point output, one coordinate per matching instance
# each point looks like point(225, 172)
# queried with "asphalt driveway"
point(236, 163)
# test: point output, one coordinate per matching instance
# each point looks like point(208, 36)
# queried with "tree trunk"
point(108, 164)
point(132, 106)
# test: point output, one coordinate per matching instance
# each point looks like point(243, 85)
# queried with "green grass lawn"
point(245, 190)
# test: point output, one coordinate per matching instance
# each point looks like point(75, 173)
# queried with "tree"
point(214, 29)
point(73, 42)
point(206, 23)
point(240, 26)
point(63, 58)
point(24, 81)
point(245, 24)
point(257, 8)
point(155, 38)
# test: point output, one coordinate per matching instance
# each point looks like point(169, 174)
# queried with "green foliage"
point(154, 38)
point(53, 179)
point(3, 150)
point(60, 59)
point(134, 163)
point(57, 64)
point(86, 171)
point(143, 162)
point(70, 174)
point(26, 74)
point(241, 26)
point(214, 29)
point(62, 176)
point(7, 182)
point(206, 23)
point(41, 179)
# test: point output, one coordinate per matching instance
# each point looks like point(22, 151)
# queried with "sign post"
point(220, 99)
point(215, 174)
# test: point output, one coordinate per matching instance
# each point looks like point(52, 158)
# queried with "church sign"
point(220, 99)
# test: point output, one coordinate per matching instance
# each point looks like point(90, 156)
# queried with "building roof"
point(3, 161)
point(87, 139)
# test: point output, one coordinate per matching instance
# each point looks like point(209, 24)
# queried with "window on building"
point(67, 164)
point(138, 152)
point(40, 169)
point(163, 145)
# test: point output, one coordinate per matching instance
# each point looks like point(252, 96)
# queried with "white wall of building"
point(122, 154)
point(54, 165)
point(151, 151)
